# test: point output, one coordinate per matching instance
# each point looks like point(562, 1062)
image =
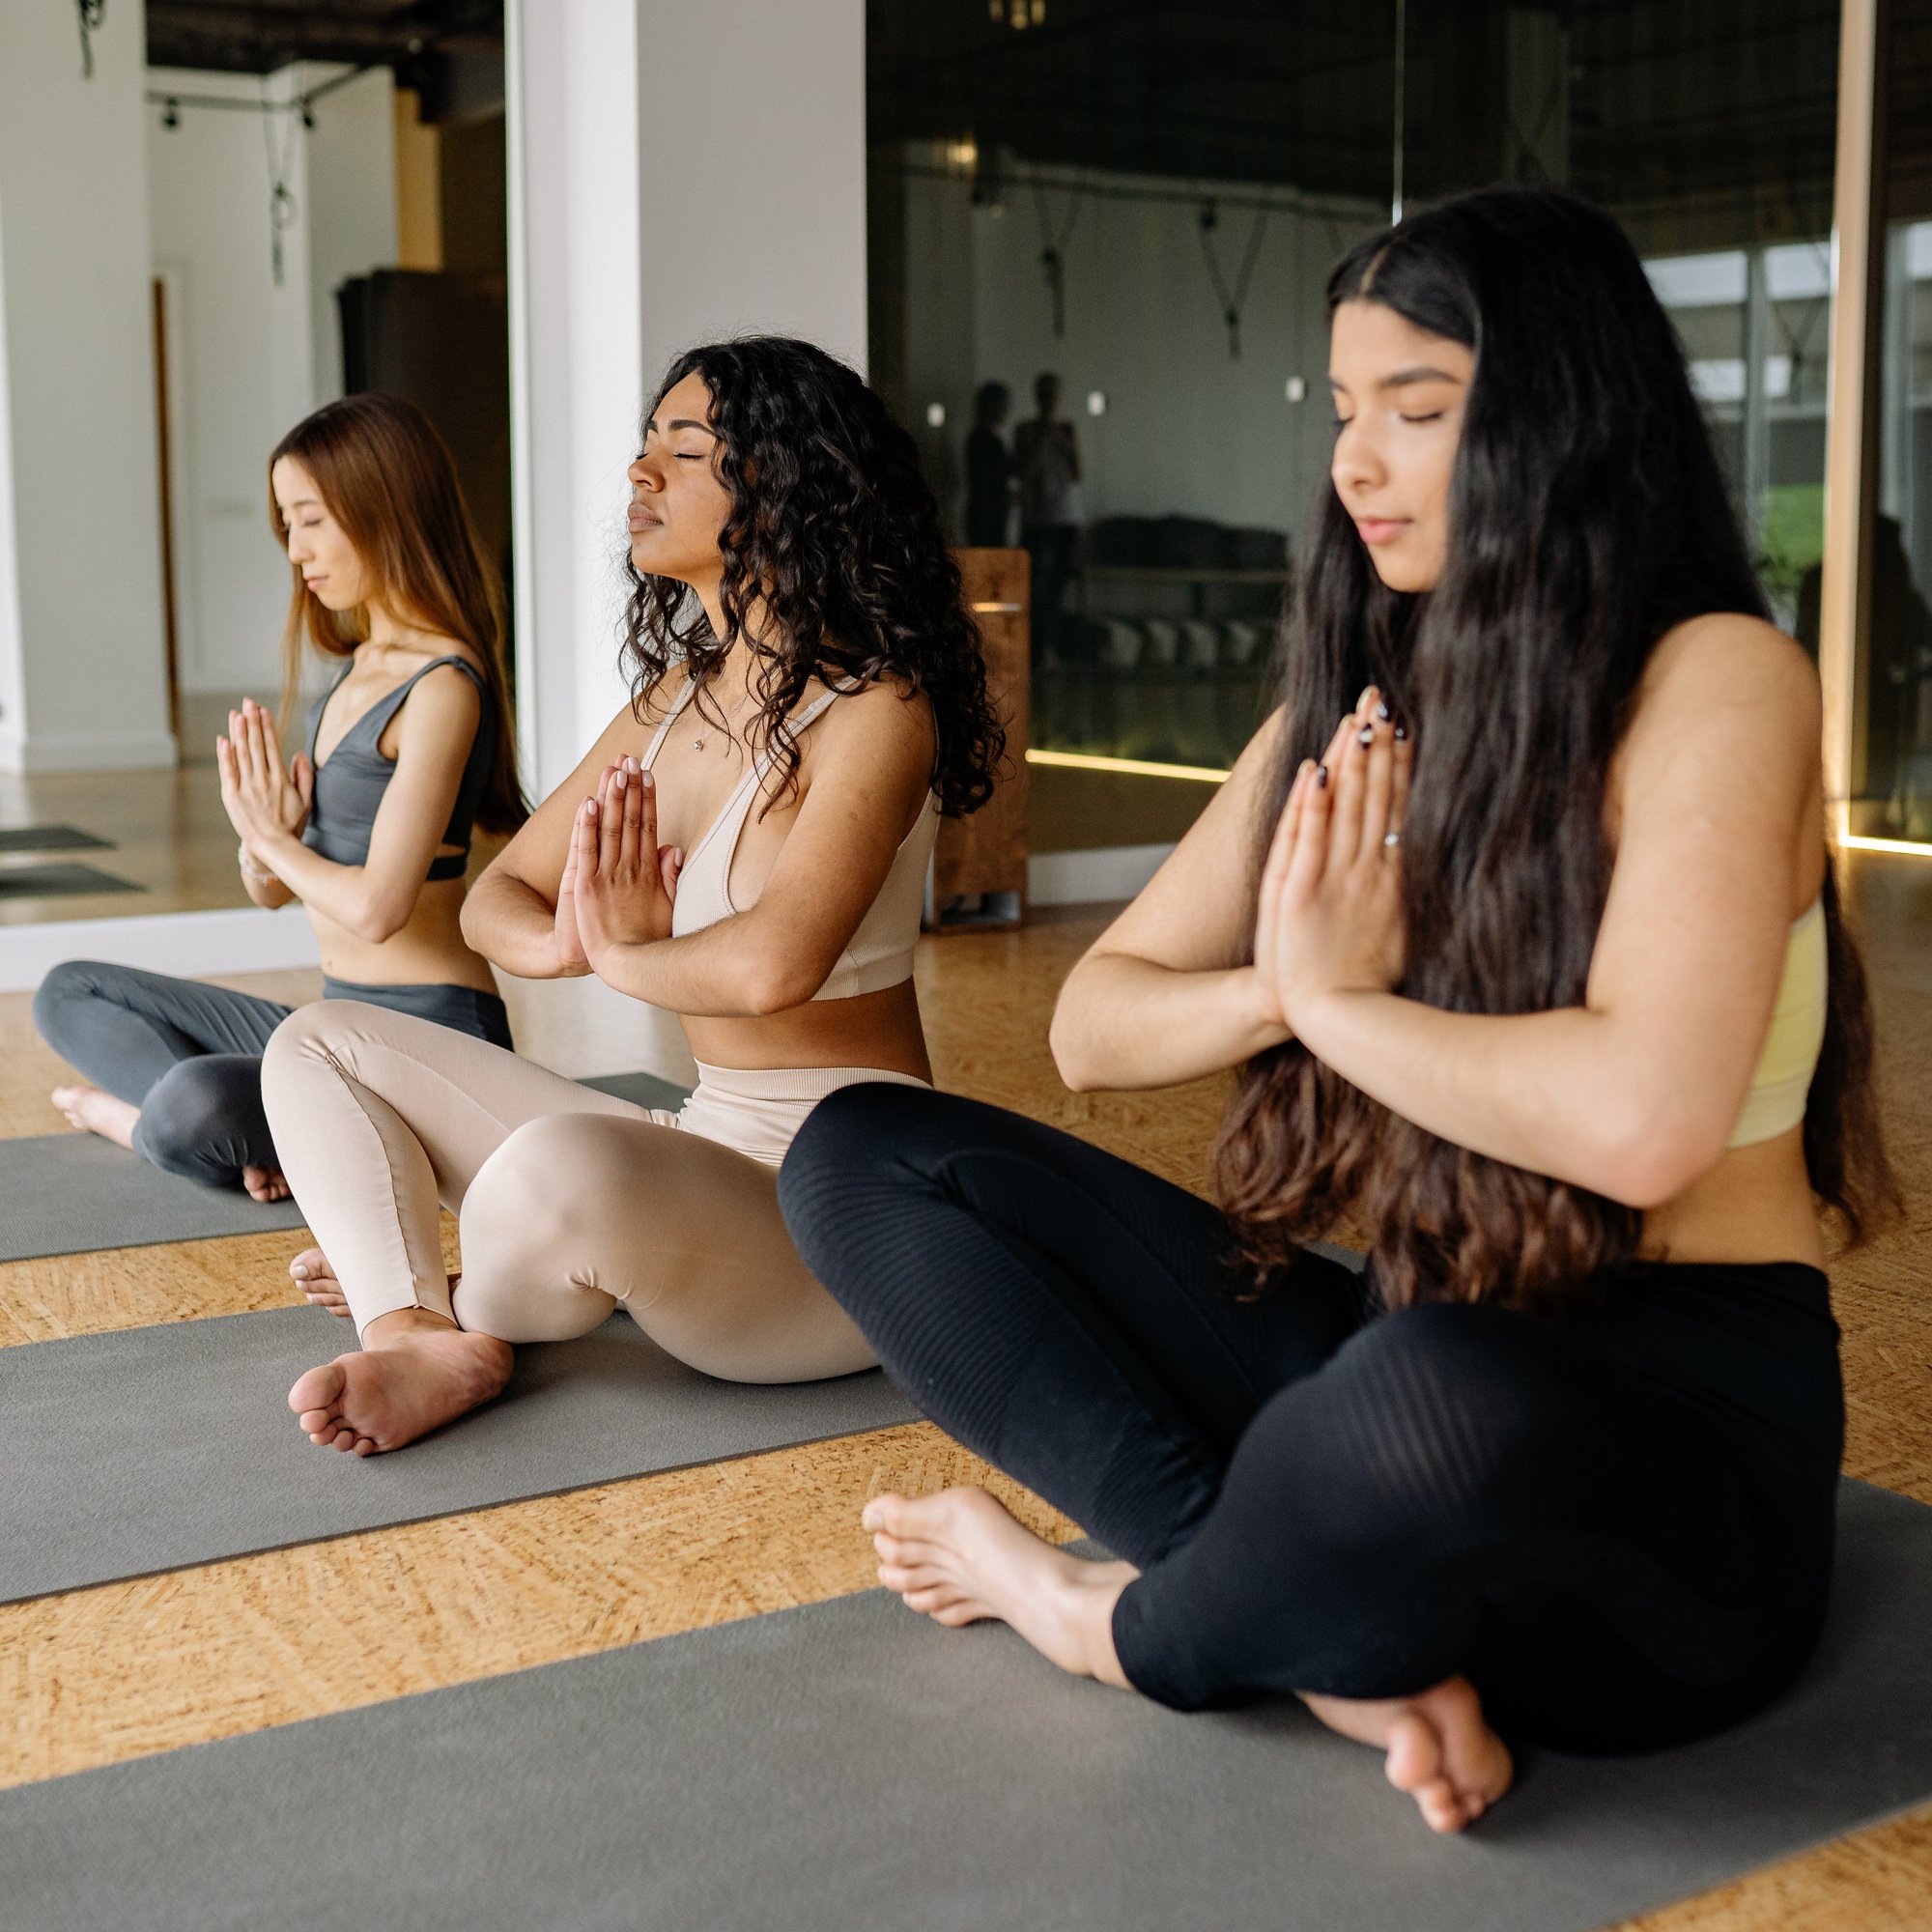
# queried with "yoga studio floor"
point(121, 1671)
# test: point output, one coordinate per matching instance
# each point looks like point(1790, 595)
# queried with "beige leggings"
point(571, 1203)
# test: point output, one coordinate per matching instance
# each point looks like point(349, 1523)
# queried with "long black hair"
point(835, 539)
point(1588, 514)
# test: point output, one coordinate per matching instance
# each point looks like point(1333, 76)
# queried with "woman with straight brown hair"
point(368, 825)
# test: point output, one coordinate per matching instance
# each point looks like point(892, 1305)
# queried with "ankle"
point(402, 1325)
point(1084, 1604)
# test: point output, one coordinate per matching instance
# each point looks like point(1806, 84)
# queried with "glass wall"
point(1143, 204)
point(1892, 778)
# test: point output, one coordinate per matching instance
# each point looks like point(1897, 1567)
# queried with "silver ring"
point(1391, 837)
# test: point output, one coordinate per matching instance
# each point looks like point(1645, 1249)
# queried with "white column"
point(677, 173)
point(83, 681)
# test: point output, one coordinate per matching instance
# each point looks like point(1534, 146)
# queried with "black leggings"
point(1616, 1521)
point(189, 1055)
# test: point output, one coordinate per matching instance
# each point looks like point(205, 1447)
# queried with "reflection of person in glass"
point(989, 467)
point(1047, 458)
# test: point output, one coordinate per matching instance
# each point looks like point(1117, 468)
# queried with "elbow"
point(379, 924)
point(1655, 1152)
point(775, 985)
point(1076, 1072)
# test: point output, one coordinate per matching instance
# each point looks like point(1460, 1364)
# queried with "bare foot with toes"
point(958, 1557)
point(416, 1372)
point(97, 1113)
point(265, 1183)
point(311, 1272)
point(1441, 1749)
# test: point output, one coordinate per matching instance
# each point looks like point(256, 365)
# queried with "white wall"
point(351, 203)
point(1187, 430)
point(82, 664)
point(632, 238)
point(249, 357)
point(241, 369)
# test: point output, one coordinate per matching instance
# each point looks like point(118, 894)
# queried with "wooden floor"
point(95, 1677)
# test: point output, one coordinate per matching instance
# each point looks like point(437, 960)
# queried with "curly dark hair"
point(835, 538)
point(1588, 514)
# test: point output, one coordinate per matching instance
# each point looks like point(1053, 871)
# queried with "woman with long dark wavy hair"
point(368, 824)
point(746, 845)
point(1534, 968)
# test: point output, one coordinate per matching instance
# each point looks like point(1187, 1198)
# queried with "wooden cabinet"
point(979, 863)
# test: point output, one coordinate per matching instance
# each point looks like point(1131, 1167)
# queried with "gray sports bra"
point(349, 784)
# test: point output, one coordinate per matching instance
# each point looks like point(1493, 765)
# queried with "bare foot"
point(414, 1373)
point(312, 1274)
point(958, 1557)
point(265, 1183)
point(1440, 1750)
point(98, 1113)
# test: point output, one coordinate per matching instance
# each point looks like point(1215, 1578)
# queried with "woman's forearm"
point(339, 892)
point(514, 926)
point(1561, 1094)
point(1125, 1023)
point(732, 970)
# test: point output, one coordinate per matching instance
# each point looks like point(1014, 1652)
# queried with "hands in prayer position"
point(1329, 916)
point(263, 798)
point(618, 886)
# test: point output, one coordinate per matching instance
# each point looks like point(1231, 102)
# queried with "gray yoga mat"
point(851, 1765)
point(51, 839)
point(60, 882)
point(72, 1194)
point(150, 1449)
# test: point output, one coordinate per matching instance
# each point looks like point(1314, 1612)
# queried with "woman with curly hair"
point(746, 845)
point(1535, 970)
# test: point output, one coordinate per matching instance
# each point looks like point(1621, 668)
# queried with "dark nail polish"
point(1366, 736)
point(1322, 775)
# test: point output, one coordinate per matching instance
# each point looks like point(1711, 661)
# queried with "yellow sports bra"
point(1779, 1089)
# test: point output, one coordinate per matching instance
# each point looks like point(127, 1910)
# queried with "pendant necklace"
point(730, 718)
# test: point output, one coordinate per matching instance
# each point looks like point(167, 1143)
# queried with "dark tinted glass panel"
point(1893, 748)
point(1144, 202)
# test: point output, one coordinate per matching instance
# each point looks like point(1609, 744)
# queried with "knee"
point(70, 985)
point(1419, 1425)
point(312, 1037)
point(532, 1200)
point(192, 1112)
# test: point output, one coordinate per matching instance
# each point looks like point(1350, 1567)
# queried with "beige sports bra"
point(879, 954)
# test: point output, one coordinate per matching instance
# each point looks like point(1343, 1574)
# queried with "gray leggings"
point(189, 1055)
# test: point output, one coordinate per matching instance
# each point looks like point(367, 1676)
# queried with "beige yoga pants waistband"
point(571, 1203)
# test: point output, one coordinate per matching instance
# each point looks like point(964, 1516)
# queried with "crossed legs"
point(570, 1205)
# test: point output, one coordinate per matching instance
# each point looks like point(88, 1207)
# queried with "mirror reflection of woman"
point(1533, 965)
point(745, 845)
point(368, 824)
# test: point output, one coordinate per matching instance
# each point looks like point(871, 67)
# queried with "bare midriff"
point(1754, 1206)
point(879, 1030)
point(429, 950)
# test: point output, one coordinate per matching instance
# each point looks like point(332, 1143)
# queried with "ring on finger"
point(1390, 838)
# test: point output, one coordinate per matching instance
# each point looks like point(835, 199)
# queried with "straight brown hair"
point(388, 479)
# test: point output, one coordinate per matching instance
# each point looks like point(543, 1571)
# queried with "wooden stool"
point(979, 877)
